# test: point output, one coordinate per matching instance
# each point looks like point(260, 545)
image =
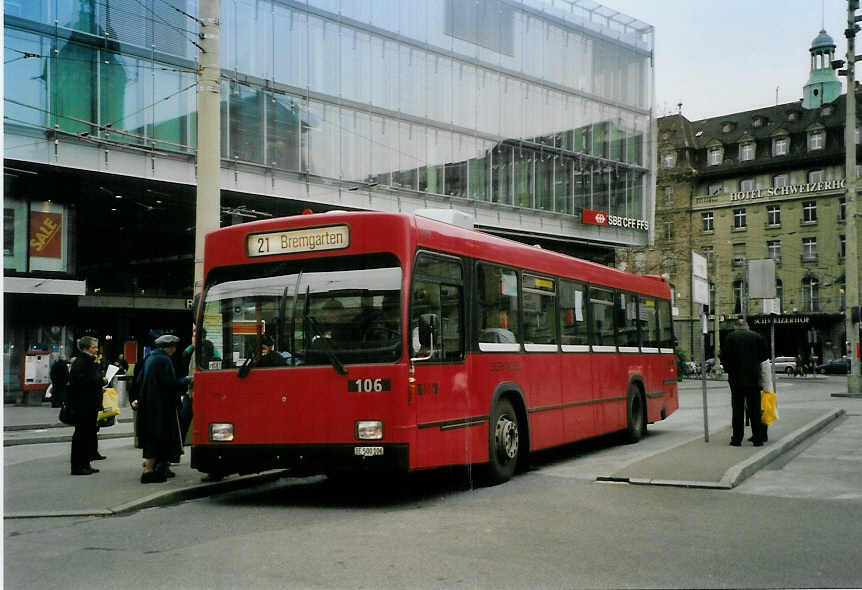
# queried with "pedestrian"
point(157, 404)
point(86, 382)
point(741, 354)
point(122, 363)
point(59, 381)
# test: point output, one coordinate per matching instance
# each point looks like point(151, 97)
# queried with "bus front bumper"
point(226, 459)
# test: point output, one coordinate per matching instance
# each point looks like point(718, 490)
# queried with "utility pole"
point(208, 206)
point(851, 258)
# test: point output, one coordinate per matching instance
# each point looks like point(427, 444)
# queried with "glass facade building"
point(524, 114)
point(535, 104)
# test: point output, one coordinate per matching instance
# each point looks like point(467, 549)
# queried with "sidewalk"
point(38, 484)
point(37, 481)
point(715, 464)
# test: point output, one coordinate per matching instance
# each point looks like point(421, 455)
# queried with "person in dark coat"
point(59, 382)
point(268, 356)
point(86, 382)
point(157, 403)
point(741, 354)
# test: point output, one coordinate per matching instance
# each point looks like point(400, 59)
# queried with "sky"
point(719, 57)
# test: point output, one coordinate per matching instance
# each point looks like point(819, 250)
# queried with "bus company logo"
point(593, 217)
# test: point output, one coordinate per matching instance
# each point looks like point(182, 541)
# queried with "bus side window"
point(602, 316)
point(665, 322)
point(627, 310)
point(496, 305)
point(573, 314)
point(649, 322)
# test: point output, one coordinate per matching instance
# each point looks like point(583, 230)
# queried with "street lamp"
point(851, 259)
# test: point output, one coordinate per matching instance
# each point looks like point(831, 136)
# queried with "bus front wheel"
point(635, 415)
point(505, 442)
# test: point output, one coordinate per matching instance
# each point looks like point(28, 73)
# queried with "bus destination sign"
point(307, 239)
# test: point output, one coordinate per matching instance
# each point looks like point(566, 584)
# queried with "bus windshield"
point(311, 312)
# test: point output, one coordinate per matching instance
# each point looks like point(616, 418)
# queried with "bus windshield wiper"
point(327, 347)
point(292, 339)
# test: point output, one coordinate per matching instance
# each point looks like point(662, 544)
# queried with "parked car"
point(835, 366)
point(785, 364)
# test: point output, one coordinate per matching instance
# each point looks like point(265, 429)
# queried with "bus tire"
point(505, 442)
point(635, 415)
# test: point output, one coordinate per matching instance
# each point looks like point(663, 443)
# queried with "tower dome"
point(823, 84)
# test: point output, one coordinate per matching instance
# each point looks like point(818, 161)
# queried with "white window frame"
point(780, 146)
point(816, 140)
point(714, 155)
point(809, 211)
point(716, 188)
point(739, 219)
point(746, 184)
point(809, 248)
point(668, 194)
point(773, 250)
point(780, 180)
point(708, 220)
point(773, 211)
point(816, 176)
point(746, 151)
point(668, 160)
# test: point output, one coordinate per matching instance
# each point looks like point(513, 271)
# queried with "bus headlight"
point(221, 432)
point(369, 429)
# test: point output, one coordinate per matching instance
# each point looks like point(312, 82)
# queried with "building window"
point(842, 209)
point(816, 140)
point(773, 215)
point(746, 151)
point(857, 135)
point(668, 230)
point(779, 181)
point(668, 194)
point(792, 116)
point(816, 176)
point(708, 221)
point(809, 211)
point(779, 146)
point(746, 185)
point(773, 250)
point(737, 296)
point(842, 248)
point(757, 122)
point(810, 294)
point(668, 160)
point(715, 188)
point(727, 128)
point(809, 249)
point(739, 219)
point(715, 155)
point(709, 254)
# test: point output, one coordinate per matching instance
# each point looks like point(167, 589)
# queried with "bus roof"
point(227, 246)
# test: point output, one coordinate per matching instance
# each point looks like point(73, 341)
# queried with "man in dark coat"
point(157, 403)
point(59, 382)
point(741, 354)
point(268, 356)
point(84, 395)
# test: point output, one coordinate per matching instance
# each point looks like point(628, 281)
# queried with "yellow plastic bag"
point(110, 404)
point(768, 407)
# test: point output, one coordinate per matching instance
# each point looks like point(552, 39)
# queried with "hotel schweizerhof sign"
point(766, 193)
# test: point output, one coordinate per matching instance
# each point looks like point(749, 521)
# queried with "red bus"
point(402, 343)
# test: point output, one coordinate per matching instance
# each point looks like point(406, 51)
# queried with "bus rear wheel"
point(635, 415)
point(505, 443)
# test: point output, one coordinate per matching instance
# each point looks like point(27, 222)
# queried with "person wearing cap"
point(157, 405)
point(268, 356)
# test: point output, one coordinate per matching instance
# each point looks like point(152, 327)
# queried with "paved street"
point(794, 523)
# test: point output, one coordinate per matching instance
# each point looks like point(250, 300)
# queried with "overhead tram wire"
point(140, 64)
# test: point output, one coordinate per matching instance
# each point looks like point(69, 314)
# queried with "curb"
point(739, 472)
point(59, 438)
point(162, 497)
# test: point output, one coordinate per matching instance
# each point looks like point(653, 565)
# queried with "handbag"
point(66, 414)
point(768, 407)
point(110, 408)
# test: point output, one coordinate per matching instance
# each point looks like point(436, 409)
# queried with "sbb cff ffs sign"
point(593, 217)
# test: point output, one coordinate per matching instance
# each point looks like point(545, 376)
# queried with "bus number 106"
point(368, 385)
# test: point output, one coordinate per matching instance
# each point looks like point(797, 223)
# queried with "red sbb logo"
point(600, 218)
point(593, 217)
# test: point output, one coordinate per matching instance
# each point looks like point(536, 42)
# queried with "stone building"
point(761, 184)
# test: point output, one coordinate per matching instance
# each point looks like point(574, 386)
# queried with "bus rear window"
point(308, 311)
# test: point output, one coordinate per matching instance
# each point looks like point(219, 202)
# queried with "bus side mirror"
point(427, 328)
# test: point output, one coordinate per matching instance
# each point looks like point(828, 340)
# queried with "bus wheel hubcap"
point(506, 438)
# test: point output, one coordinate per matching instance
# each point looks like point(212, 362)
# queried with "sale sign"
point(46, 235)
